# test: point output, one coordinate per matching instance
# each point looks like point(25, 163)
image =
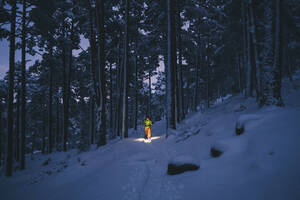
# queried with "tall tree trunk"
point(249, 64)
point(180, 72)
point(149, 95)
point(166, 105)
point(50, 137)
point(65, 90)
point(101, 111)
point(9, 150)
point(277, 56)
point(240, 64)
point(44, 133)
point(196, 94)
point(208, 82)
point(57, 134)
point(188, 92)
point(17, 127)
point(92, 120)
point(177, 98)
point(171, 66)
point(136, 91)
point(119, 88)
point(266, 96)
point(84, 142)
point(125, 79)
point(95, 93)
point(255, 48)
point(68, 86)
point(33, 142)
point(245, 58)
point(110, 98)
point(23, 106)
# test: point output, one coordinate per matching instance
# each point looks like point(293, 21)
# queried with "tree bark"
point(255, 48)
point(277, 57)
point(23, 106)
point(33, 142)
point(9, 150)
point(50, 137)
point(149, 95)
point(68, 87)
point(249, 65)
point(119, 95)
point(125, 75)
point(17, 126)
point(110, 98)
point(57, 134)
point(101, 111)
point(171, 66)
point(65, 86)
point(177, 98)
point(92, 121)
point(136, 92)
point(239, 63)
point(245, 58)
point(208, 82)
point(196, 94)
point(44, 134)
point(93, 94)
point(180, 72)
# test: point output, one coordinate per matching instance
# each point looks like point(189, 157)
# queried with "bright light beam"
point(142, 139)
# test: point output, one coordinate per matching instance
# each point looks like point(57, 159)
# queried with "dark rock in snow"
point(215, 152)
point(243, 120)
point(239, 129)
point(46, 162)
point(174, 169)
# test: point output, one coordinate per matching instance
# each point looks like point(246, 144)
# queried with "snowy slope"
point(263, 163)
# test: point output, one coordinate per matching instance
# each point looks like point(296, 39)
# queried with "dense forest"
point(161, 58)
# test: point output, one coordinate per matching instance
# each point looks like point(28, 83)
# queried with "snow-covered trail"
point(261, 164)
point(127, 170)
point(148, 178)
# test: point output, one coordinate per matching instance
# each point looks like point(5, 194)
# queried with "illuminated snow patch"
point(143, 140)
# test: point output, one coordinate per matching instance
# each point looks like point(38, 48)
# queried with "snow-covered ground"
point(261, 164)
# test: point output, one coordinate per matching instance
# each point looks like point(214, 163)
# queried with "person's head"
point(147, 118)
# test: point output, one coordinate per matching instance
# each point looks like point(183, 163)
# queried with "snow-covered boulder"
point(182, 164)
point(242, 121)
point(214, 152)
point(218, 148)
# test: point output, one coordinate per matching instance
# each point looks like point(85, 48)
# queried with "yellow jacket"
point(147, 123)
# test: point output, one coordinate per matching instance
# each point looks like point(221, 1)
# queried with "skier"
point(148, 124)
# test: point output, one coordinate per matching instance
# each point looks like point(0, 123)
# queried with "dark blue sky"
point(4, 57)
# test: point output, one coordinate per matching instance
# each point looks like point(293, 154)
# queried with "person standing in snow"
point(148, 124)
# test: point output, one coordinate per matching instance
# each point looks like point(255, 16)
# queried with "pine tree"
point(23, 106)
point(9, 150)
point(171, 67)
point(101, 110)
point(125, 74)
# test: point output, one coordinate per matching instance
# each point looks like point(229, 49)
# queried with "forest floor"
point(262, 163)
